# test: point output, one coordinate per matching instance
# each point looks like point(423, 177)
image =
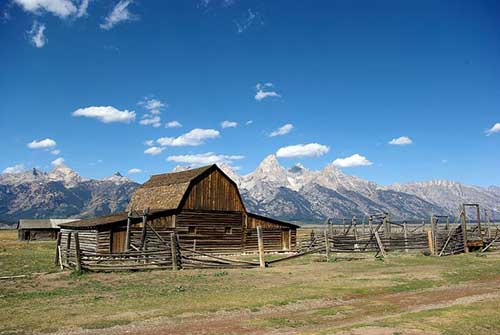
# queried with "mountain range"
point(294, 194)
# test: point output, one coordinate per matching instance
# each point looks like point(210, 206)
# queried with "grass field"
point(402, 294)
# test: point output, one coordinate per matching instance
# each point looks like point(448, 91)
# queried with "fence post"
point(58, 245)
point(429, 240)
point(78, 254)
point(434, 237)
point(173, 250)
point(487, 218)
point(405, 232)
point(68, 247)
point(327, 246)
point(260, 239)
point(354, 227)
point(144, 230)
point(464, 228)
point(127, 238)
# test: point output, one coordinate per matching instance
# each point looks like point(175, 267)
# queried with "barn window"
point(192, 230)
point(228, 230)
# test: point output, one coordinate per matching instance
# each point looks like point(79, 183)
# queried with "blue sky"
point(333, 81)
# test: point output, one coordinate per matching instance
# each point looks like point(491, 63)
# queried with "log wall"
point(216, 232)
point(88, 240)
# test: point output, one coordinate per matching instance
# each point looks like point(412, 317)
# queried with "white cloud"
point(260, 95)
point(148, 120)
point(57, 161)
point(194, 137)
point(55, 152)
point(228, 124)
point(82, 9)
point(282, 130)
point(14, 169)
point(120, 13)
point(106, 114)
point(61, 8)
point(403, 140)
point(149, 143)
point(303, 150)
point(249, 122)
point(42, 144)
point(154, 107)
point(205, 158)
point(134, 171)
point(153, 151)
point(354, 160)
point(37, 35)
point(493, 130)
point(173, 124)
point(264, 91)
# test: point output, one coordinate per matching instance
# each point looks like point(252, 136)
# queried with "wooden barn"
point(39, 229)
point(203, 206)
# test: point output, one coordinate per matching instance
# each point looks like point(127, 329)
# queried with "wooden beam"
point(127, 238)
point(58, 247)
point(78, 254)
point(144, 230)
point(260, 240)
point(327, 246)
point(429, 240)
point(464, 228)
point(405, 233)
point(380, 245)
point(173, 250)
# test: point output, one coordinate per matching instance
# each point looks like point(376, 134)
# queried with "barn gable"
point(213, 190)
point(205, 188)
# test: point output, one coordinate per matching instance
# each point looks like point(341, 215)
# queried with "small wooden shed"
point(39, 229)
point(203, 206)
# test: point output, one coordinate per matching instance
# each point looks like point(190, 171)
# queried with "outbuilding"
point(39, 229)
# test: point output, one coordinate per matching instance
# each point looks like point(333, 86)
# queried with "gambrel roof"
point(167, 190)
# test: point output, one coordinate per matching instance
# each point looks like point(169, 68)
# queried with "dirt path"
point(250, 322)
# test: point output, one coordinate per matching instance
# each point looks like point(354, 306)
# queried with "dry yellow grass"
point(307, 295)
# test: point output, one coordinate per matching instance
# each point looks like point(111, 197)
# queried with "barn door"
point(285, 239)
point(118, 241)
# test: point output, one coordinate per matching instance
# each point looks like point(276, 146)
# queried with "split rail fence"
point(379, 236)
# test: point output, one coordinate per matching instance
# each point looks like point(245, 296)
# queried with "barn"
point(203, 206)
point(39, 229)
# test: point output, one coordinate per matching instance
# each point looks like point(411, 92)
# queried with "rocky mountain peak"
point(269, 163)
point(65, 174)
point(118, 178)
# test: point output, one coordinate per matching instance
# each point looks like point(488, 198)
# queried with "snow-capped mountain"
point(302, 194)
point(449, 194)
point(61, 193)
point(295, 194)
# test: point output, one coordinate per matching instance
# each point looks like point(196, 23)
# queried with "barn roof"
point(42, 223)
point(165, 190)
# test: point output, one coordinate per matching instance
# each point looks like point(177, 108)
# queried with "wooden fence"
point(168, 253)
